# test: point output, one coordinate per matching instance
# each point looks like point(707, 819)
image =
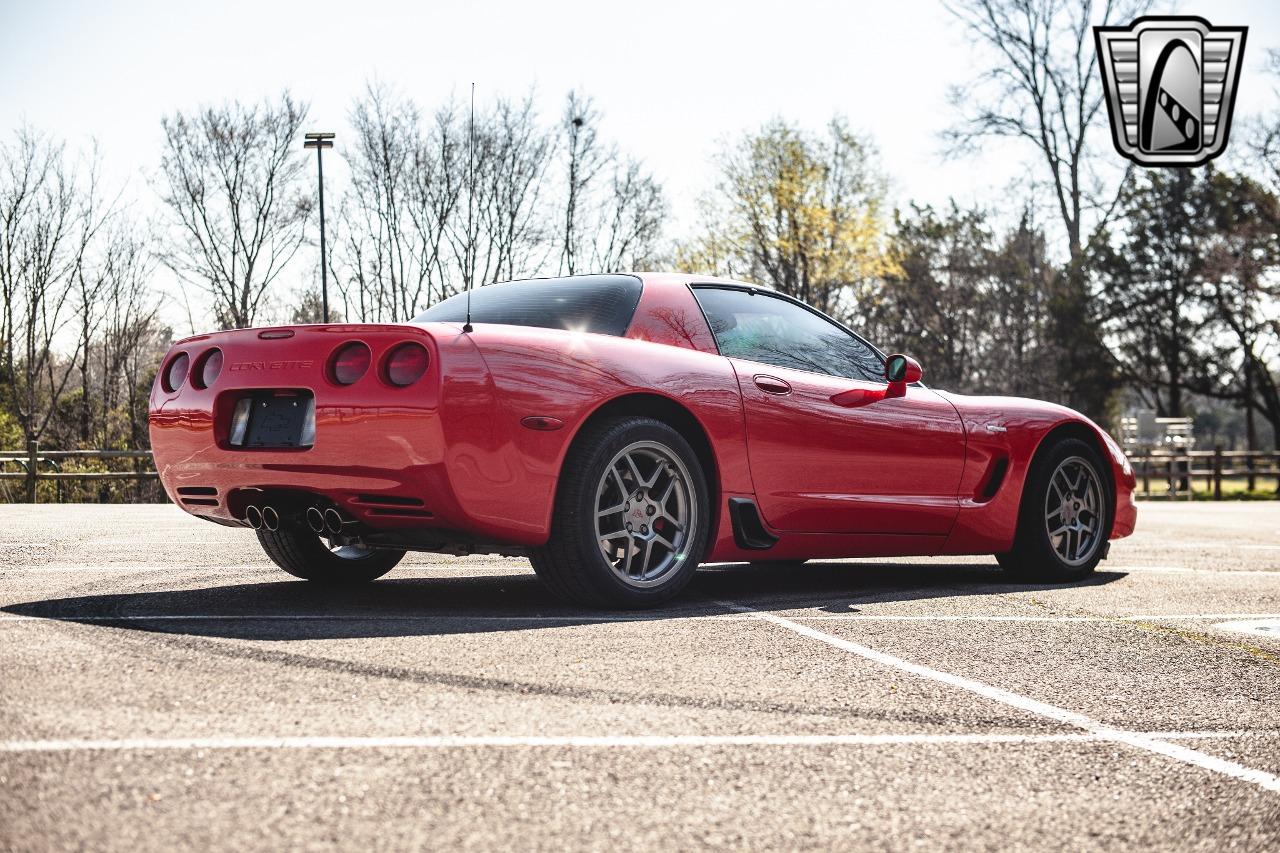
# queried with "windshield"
point(586, 303)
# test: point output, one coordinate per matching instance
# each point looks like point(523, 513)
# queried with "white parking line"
point(1139, 740)
point(606, 741)
point(958, 617)
point(652, 617)
point(1212, 546)
point(186, 569)
point(330, 617)
point(1185, 570)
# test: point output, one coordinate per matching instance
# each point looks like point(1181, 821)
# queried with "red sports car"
point(618, 430)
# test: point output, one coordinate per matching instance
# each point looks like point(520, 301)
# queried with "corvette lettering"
point(271, 365)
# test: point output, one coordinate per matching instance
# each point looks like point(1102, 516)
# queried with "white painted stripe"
point(864, 617)
point(1185, 570)
point(249, 567)
point(1219, 545)
point(588, 741)
point(717, 617)
point(1139, 740)
point(343, 617)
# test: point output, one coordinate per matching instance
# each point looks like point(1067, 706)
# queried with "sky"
point(674, 79)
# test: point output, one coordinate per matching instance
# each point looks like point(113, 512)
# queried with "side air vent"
point(994, 479)
point(749, 532)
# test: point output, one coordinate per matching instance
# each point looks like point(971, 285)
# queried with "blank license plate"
point(277, 421)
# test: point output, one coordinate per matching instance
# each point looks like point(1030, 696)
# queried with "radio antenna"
point(471, 204)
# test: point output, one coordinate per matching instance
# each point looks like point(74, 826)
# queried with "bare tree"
point(586, 156)
point(517, 159)
point(1265, 144)
point(1043, 88)
point(633, 215)
point(48, 218)
point(394, 231)
point(131, 341)
point(230, 179)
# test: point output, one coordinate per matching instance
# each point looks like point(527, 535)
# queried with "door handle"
point(771, 384)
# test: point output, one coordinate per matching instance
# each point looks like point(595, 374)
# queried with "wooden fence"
point(1177, 474)
point(1160, 475)
point(35, 465)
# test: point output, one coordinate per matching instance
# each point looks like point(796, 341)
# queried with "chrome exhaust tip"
point(315, 519)
point(270, 518)
point(253, 515)
point(333, 520)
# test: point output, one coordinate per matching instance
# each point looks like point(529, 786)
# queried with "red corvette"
point(619, 430)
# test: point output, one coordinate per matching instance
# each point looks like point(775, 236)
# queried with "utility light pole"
point(321, 141)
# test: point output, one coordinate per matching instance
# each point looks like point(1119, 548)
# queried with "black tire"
point(303, 554)
point(573, 564)
point(1036, 555)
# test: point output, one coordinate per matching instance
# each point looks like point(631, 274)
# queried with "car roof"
point(679, 279)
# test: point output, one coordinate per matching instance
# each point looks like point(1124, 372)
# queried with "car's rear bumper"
point(390, 458)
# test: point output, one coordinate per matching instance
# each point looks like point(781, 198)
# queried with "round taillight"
point(406, 364)
point(176, 373)
point(350, 362)
point(210, 367)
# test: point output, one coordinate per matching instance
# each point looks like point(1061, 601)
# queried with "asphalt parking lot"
point(164, 686)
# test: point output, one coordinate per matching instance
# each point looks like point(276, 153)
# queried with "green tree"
point(1152, 277)
point(969, 304)
point(800, 212)
point(935, 302)
point(1242, 291)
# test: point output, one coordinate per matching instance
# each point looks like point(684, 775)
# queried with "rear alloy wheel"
point(630, 523)
point(304, 554)
point(1062, 526)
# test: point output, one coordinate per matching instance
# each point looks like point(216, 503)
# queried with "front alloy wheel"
point(1073, 511)
point(1065, 515)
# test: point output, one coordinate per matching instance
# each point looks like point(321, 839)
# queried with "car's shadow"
point(426, 606)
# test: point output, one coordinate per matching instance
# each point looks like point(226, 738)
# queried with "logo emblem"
point(1170, 84)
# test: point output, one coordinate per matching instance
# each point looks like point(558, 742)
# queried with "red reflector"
point(177, 372)
point(350, 362)
point(210, 368)
point(406, 364)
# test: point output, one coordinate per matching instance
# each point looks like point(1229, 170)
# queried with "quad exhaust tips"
point(321, 521)
point(262, 518)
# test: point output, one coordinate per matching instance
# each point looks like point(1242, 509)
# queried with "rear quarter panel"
point(569, 376)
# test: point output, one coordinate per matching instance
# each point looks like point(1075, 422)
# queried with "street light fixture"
point(321, 141)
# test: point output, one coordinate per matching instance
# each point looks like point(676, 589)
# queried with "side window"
point(758, 327)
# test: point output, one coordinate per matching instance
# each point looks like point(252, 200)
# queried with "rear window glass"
point(586, 303)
